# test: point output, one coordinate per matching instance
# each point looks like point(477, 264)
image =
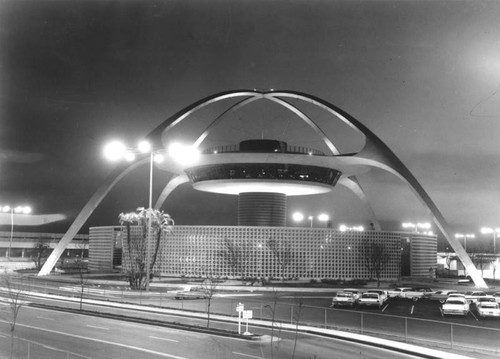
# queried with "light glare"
point(323, 217)
point(114, 151)
point(297, 216)
point(144, 147)
point(183, 154)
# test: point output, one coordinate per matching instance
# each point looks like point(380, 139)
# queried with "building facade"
point(271, 252)
point(22, 245)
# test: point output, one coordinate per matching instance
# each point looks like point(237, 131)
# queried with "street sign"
point(247, 314)
point(240, 307)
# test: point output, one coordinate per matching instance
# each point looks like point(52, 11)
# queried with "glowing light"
point(183, 154)
point(144, 147)
point(158, 158)
point(323, 217)
point(114, 151)
point(297, 216)
point(129, 156)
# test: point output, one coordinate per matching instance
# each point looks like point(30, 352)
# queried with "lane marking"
point(248, 355)
point(385, 307)
point(166, 339)
point(97, 327)
point(412, 308)
point(101, 341)
point(46, 318)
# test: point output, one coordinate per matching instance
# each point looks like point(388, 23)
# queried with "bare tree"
point(232, 254)
point(376, 258)
point(297, 312)
point(14, 298)
point(481, 259)
point(137, 246)
point(41, 251)
point(282, 252)
point(209, 286)
point(272, 309)
point(83, 279)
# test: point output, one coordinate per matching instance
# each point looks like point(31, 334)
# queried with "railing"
point(290, 149)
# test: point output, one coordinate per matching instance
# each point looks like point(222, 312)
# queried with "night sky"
point(422, 75)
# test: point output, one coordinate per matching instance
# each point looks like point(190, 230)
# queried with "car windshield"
point(370, 295)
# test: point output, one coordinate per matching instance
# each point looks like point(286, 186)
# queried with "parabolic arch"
point(375, 153)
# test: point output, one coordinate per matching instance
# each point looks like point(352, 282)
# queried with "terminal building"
point(264, 173)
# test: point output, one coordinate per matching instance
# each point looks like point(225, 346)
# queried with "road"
point(400, 319)
point(83, 336)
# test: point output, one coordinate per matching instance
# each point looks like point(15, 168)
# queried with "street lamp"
point(116, 150)
point(488, 230)
point(12, 210)
point(465, 236)
point(344, 228)
point(299, 217)
point(416, 226)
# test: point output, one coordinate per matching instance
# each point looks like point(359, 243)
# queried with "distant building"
point(23, 245)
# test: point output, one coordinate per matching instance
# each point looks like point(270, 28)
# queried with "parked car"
point(487, 307)
point(473, 296)
point(456, 294)
point(441, 295)
point(370, 300)
point(455, 306)
point(191, 293)
point(496, 295)
point(411, 293)
point(399, 292)
point(343, 299)
point(383, 293)
point(355, 292)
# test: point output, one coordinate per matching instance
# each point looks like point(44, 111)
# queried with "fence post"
point(326, 317)
point(291, 313)
point(361, 322)
point(406, 329)
point(261, 310)
point(451, 335)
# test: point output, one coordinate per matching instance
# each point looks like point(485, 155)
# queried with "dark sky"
point(422, 75)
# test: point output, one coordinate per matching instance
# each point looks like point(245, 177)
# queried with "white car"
point(455, 306)
point(343, 299)
point(487, 307)
point(473, 296)
point(383, 293)
point(355, 292)
point(496, 295)
point(370, 300)
point(192, 293)
point(399, 292)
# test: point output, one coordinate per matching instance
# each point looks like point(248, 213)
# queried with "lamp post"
point(418, 226)
point(494, 231)
point(344, 228)
point(12, 210)
point(465, 236)
point(116, 150)
point(299, 217)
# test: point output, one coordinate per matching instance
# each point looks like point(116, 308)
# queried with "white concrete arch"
point(374, 153)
